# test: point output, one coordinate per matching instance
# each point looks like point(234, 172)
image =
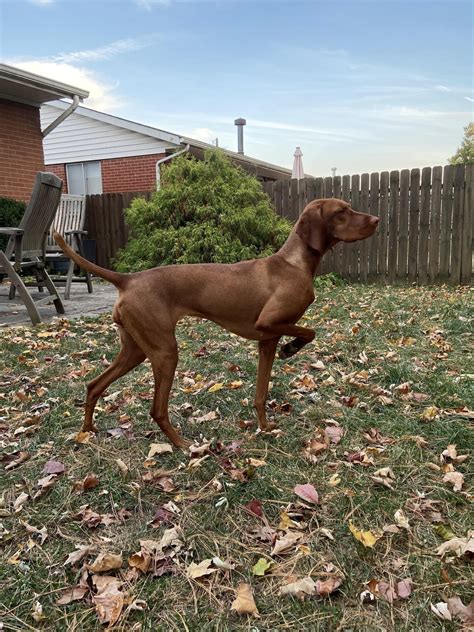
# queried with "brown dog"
point(261, 300)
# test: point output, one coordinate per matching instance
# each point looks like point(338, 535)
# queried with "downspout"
point(63, 116)
point(162, 160)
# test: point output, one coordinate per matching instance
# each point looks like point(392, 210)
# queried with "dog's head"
point(325, 222)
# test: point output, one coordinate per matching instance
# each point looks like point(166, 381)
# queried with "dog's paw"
point(287, 350)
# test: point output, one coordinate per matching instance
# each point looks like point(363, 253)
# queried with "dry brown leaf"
point(53, 467)
point(82, 551)
point(441, 610)
point(456, 479)
point(327, 586)
point(159, 448)
point(299, 588)
point(109, 599)
point(287, 542)
point(105, 562)
point(244, 602)
point(458, 546)
point(72, 594)
point(194, 571)
point(464, 613)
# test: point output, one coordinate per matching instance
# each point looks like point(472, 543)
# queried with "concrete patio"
point(81, 304)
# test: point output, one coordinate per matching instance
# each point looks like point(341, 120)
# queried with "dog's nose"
point(374, 220)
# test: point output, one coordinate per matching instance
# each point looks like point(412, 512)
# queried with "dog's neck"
point(297, 252)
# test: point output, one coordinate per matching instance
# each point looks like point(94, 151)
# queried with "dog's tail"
point(116, 278)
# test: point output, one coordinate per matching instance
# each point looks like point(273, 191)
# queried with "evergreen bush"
point(207, 211)
point(11, 212)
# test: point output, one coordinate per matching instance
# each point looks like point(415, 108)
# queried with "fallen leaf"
point(261, 567)
point(288, 541)
point(441, 610)
point(254, 507)
point(72, 594)
point(430, 413)
point(215, 387)
point(464, 613)
point(20, 501)
point(244, 602)
point(404, 588)
point(307, 492)
point(122, 467)
point(335, 433)
point(106, 562)
point(450, 455)
point(53, 467)
point(456, 479)
point(194, 571)
point(109, 600)
point(299, 588)
point(82, 551)
point(222, 565)
point(367, 538)
point(458, 546)
point(401, 519)
point(327, 586)
point(159, 448)
point(334, 480)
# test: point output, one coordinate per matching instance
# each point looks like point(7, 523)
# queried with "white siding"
point(80, 138)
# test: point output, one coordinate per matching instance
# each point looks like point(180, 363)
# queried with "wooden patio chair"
point(25, 250)
point(69, 221)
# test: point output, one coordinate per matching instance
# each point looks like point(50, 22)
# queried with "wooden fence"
point(426, 223)
point(424, 236)
point(105, 223)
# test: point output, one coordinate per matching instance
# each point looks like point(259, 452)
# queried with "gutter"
point(75, 102)
point(162, 160)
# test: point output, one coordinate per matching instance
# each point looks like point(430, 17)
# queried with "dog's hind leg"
point(130, 356)
point(164, 360)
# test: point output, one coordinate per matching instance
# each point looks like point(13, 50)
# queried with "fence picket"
point(456, 238)
point(467, 230)
point(446, 219)
point(433, 251)
point(404, 210)
point(364, 208)
point(374, 202)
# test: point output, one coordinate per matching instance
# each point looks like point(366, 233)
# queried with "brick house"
point(94, 152)
point(21, 139)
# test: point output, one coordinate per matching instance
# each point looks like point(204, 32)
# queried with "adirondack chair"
point(25, 250)
point(69, 221)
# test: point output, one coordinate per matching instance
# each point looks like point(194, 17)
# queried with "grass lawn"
point(365, 413)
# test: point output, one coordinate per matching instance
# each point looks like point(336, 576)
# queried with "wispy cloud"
point(103, 94)
point(469, 99)
point(42, 3)
point(148, 4)
point(108, 51)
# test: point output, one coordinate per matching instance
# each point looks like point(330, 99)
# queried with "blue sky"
point(361, 85)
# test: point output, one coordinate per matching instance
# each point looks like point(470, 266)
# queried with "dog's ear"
point(311, 227)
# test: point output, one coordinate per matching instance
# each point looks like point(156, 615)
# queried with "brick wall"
point(133, 173)
point(21, 149)
point(60, 171)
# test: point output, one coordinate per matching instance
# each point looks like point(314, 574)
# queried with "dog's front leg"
point(266, 355)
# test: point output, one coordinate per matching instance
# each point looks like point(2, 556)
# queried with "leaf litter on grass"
point(356, 404)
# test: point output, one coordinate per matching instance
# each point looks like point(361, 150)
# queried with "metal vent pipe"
point(240, 122)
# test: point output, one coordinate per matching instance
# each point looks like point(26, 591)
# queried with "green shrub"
point(205, 211)
point(11, 212)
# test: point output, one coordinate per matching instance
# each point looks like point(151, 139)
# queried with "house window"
point(84, 178)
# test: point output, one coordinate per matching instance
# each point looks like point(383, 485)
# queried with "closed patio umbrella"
point(298, 171)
